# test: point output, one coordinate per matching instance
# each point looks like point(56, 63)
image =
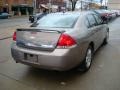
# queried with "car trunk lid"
point(37, 39)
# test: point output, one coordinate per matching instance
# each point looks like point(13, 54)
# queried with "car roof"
point(79, 13)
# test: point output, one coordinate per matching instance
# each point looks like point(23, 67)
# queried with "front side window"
point(58, 21)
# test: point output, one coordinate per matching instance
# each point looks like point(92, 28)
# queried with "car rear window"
point(100, 11)
point(58, 21)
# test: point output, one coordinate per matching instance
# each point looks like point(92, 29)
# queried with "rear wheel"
point(86, 64)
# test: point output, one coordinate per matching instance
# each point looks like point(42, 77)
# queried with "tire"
point(86, 64)
point(105, 41)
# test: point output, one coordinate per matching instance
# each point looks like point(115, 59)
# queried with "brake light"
point(14, 36)
point(66, 41)
point(105, 14)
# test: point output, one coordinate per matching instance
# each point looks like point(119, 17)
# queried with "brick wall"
point(54, 2)
point(9, 3)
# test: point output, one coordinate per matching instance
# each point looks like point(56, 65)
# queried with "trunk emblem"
point(32, 37)
point(29, 44)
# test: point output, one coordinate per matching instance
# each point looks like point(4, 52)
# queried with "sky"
point(97, 0)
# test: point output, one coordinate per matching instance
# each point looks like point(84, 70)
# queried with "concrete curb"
point(12, 17)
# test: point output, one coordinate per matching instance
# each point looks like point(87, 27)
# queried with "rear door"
point(94, 29)
point(100, 27)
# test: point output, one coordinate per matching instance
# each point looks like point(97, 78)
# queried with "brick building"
point(53, 2)
point(6, 5)
point(10, 5)
point(1, 5)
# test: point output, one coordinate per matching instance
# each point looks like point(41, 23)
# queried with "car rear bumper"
point(59, 59)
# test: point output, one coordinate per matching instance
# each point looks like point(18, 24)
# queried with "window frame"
point(88, 26)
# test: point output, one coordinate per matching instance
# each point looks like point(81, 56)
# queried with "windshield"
point(58, 21)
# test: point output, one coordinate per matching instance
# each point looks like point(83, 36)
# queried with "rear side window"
point(91, 20)
point(98, 19)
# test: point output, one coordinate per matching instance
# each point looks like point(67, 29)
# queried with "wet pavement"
point(103, 75)
point(8, 26)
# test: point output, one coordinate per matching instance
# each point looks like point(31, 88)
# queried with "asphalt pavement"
point(8, 26)
point(103, 75)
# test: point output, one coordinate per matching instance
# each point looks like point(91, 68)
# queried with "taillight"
point(14, 36)
point(66, 41)
point(105, 14)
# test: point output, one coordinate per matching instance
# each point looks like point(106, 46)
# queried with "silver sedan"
point(60, 41)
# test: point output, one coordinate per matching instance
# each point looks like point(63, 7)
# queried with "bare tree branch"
point(73, 4)
point(101, 1)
